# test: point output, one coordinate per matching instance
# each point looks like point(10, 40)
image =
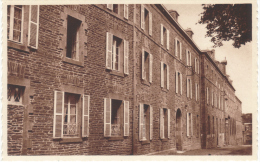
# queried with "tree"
point(228, 22)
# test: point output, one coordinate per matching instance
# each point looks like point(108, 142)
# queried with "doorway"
point(178, 131)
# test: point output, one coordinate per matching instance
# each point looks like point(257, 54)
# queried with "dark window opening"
point(165, 74)
point(146, 65)
point(115, 8)
point(146, 19)
point(116, 118)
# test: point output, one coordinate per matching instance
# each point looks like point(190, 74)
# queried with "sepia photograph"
point(173, 79)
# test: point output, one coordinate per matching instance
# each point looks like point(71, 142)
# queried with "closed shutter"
point(168, 39)
point(150, 23)
point(181, 82)
point(33, 26)
point(142, 16)
point(161, 34)
point(151, 122)
point(191, 124)
point(180, 50)
point(109, 50)
point(126, 118)
point(161, 124)
point(151, 68)
point(162, 76)
point(168, 78)
point(110, 6)
point(141, 117)
point(176, 48)
point(143, 71)
point(188, 125)
point(176, 82)
point(126, 56)
point(85, 115)
point(58, 114)
point(107, 117)
point(169, 123)
point(188, 87)
point(126, 11)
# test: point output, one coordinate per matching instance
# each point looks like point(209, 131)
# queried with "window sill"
point(116, 138)
point(164, 139)
point(70, 140)
point(15, 104)
point(145, 82)
point(17, 45)
point(164, 89)
point(145, 142)
point(117, 73)
point(71, 61)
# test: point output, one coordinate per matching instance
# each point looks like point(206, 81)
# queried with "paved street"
point(228, 150)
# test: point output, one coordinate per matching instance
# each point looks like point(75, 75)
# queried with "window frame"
point(165, 112)
point(148, 126)
point(144, 66)
point(143, 24)
point(164, 67)
point(21, 93)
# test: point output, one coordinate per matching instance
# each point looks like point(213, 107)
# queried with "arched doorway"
point(178, 130)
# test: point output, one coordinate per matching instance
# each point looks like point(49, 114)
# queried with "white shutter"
point(151, 68)
point(168, 39)
point(176, 82)
point(162, 76)
point(107, 117)
point(143, 71)
point(180, 50)
point(176, 48)
point(188, 125)
point(142, 16)
point(126, 118)
point(150, 23)
point(141, 110)
point(161, 34)
point(191, 124)
point(187, 87)
point(181, 82)
point(58, 114)
point(126, 11)
point(109, 50)
point(85, 115)
point(110, 6)
point(190, 88)
point(114, 55)
point(168, 79)
point(161, 124)
point(126, 56)
point(33, 26)
point(151, 122)
point(169, 123)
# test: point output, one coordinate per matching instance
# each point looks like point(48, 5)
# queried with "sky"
point(239, 61)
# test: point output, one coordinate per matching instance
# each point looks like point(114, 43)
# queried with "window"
point(15, 94)
point(196, 66)
point(145, 122)
point(165, 34)
point(146, 20)
point(207, 93)
point(113, 7)
point(147, 66)
point(212, 96)
point(15, 22)
point(116, 118)
point(126, 11)
point(189, 125)
point(164, 76)
point(117, 52)
point(178, 82)
point(178, 48)
point(73, 25)
point(198, 125)
point(67, 118)
point(208, 125)
point(164, 123)
point(213, 125)
point(189, 88)
point(197, 91)
point(188, 57)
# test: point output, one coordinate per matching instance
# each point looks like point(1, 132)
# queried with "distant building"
point(247, 132)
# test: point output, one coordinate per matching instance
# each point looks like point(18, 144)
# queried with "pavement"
point(227, 150)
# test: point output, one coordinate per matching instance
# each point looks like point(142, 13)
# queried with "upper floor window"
point(207, 95)
point(147, 66)
point(15, 94)
point(188, 57)
point(165, 76)
point(145, 122)
point(196, 63)
point(189, 88)
point(165, 37)
point(178, 48)
point(146, 20)
point(197, 91)
point(178, 82)
point(15, 22)
point(165, 123)
point(208, 125)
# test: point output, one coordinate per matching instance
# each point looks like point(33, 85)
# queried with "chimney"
point(174, 14)
point(223, 65)
point(189, 32)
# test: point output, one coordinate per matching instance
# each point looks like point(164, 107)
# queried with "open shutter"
point(161, 34)
point(107, 117)
point(169, 123)
point(168, 79)
point(181, 82)
point(190, 88)
point(109, 51)
point(110, 6)
point(151, 122)
point(85, 115)
point(176, 48)
point(180, 50)
point(151, 68)
point(168, 39)
point(143, 72)
point(191, 124)
point(187, 87)
point(161, 124)
point(142, 16)
point(33, 26)
point(188, 125)
point(126, 118)
point(150, 23)
point(176, 82)
point(126, 11)
point(58, 114)
point(162, 77)
point(141, 110)
point(126, 56)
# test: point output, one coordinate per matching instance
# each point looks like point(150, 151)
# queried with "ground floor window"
point(165, 123)
point(145, 122)
point(15, 94)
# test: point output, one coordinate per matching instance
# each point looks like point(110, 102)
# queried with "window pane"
point(17, 36)
point(65, 114)
point(9, 93)
point(17, 24)
point(18, 12)
point(73, 109)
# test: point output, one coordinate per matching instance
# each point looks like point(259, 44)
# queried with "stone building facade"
point(112, 79)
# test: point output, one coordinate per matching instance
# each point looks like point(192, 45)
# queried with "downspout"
point(134, 85)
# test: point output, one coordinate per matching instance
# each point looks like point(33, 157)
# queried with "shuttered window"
point(146, 20)
point(147, 66)
point(126, 11)
point(145, 122)
point(15, 16)
point(165, 123)
point(33, 26)
point(165, 76)
point(165, 37)
point(189, 88)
